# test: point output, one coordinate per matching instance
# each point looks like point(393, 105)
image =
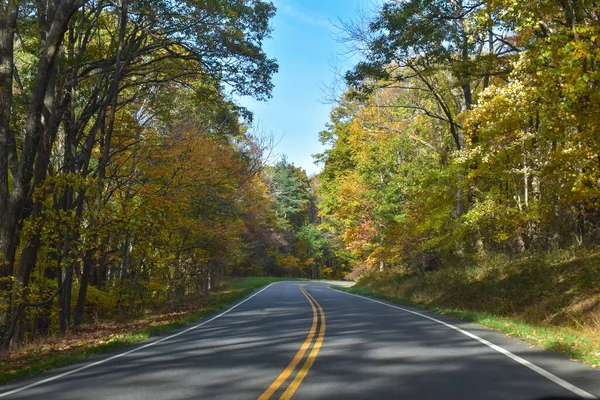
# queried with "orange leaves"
point(201, 194)
point(360, 237)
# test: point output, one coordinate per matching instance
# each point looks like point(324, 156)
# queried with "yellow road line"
point(297, 358)
point(289, 392)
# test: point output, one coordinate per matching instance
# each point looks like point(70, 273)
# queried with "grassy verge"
point(582, 345)
point(98, 339)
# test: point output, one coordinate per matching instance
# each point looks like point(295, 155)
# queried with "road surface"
point(307, 341)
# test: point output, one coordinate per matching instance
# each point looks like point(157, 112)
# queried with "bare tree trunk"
point(490, 42)
point(114, 93)
point(83, 287)
point(477, 241)
point(520, 243)
point(8, 26)
point(66, 281)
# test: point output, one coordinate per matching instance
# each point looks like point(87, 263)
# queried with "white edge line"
point(546, 374)
point(53, 378)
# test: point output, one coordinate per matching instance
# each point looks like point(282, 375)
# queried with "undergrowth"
point(550, 300)
point(96, 339)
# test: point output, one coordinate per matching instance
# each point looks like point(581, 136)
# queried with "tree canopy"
point(468, 127)
point(126, 172)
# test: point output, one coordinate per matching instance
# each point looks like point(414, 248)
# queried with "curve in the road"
point(289, 392)
point(291, 367)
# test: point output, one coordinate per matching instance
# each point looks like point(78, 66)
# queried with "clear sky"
point(304, 42)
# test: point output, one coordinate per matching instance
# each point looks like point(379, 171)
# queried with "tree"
point(315, 249)
point(490, 104)
point(537, 150)
point(438, 48)
point(84, 99)
point(290, 188)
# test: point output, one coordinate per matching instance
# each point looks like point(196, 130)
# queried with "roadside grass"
point(93, 340)
point(550, 301)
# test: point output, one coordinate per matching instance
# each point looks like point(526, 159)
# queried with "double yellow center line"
point(291, 389)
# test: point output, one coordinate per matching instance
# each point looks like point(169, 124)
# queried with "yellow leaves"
point(196, 197)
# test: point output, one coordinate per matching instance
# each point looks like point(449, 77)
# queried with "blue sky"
point(305, 46)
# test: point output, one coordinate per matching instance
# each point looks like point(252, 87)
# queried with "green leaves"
point(289, 186)
point(130, 169)
point(473, 127)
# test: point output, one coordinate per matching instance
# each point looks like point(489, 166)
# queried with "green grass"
point(253, 283)
point(41, 360)
point(560, 288)
point(567, 341)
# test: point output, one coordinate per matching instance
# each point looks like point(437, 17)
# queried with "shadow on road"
point(369, 352)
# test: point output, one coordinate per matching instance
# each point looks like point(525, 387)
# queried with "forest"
point(463, 164)
point(130, 176)
point(468, 128)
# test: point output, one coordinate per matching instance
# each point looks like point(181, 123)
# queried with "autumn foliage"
point(468, 128)
point(128, 176)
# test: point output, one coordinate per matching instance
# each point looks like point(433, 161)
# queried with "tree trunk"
point(12, 205)
point(83, 287)
point(103, 163)
point(8, 25)
point(477, 241)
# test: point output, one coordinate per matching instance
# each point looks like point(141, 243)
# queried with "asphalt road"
point(281, 342)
